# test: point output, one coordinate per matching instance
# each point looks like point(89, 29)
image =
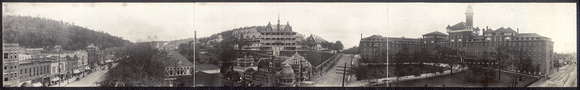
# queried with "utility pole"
point(59, 65)
point(194, 42)
point(344, 75)
point(388, 62)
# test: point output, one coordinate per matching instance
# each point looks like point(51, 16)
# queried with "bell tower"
point(469, 16)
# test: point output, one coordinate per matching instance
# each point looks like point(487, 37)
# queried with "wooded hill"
point(37, 32)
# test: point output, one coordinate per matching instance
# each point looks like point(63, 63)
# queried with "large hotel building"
point(465, 37)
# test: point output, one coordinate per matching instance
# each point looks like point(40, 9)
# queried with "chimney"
point(518, 30)
point(486, 27)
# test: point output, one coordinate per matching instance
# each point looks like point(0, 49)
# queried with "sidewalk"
point(412, 77)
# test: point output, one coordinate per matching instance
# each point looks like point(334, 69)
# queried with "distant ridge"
point(38, 32)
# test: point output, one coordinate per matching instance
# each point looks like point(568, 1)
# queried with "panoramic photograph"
point(298, 44)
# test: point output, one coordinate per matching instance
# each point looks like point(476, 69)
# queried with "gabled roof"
point(528, 35)
point(206, 67)
point(435, 33)
point(313, 38)
point(488, 31)
point(504, 30)
point(259, 73)
point(175, 58)
point(250, 70)
point(458, 26)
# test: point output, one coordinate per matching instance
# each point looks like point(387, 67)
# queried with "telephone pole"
point(194, 41)
point(344, 74)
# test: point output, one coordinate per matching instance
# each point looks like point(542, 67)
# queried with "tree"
point(36, 32)
point(186, 49)
point(337, 46)
point(352, 50)
point(227, 54)
point(401, 57)
point(446, 55)
point(139, 65)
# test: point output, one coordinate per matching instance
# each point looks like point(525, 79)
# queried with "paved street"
point(89, 80)
point(334, 76)
point(566, 77)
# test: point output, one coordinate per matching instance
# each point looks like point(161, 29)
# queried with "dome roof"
point(287, 70)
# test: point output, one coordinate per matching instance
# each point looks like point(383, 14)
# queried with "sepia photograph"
point(289, 44)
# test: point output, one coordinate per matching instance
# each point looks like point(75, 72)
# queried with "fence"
point(324, 66)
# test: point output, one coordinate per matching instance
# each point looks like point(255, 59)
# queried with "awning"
point(54, 79)
point(76, 71)
point(87, 67)
point(38, 84)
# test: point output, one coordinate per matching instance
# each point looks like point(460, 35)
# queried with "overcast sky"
point(332, 21)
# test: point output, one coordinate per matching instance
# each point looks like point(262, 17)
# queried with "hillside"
point(37, 32)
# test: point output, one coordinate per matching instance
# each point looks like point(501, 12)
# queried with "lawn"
point(464, 79)
point(379, 71)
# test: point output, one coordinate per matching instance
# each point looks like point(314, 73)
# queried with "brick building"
point(10, 64)
point(464, 37)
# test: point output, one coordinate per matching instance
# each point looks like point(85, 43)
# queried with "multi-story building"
point(72, 65)
point(11, 64)
point(278, 37)
point(82, 60)
point(374, 46)
point(249, 35)
point(34, 72)
point(464, 37)
point(95, 56)
point(269, 38)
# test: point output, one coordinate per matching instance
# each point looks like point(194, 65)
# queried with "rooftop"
point(458, 26)
point(175, 58)
point(435, 33)
point(528, 35)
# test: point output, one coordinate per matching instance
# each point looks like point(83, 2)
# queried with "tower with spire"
point(469, 16)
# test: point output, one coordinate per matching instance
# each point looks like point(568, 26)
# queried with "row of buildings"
point(465, 37)
point(46, 66)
